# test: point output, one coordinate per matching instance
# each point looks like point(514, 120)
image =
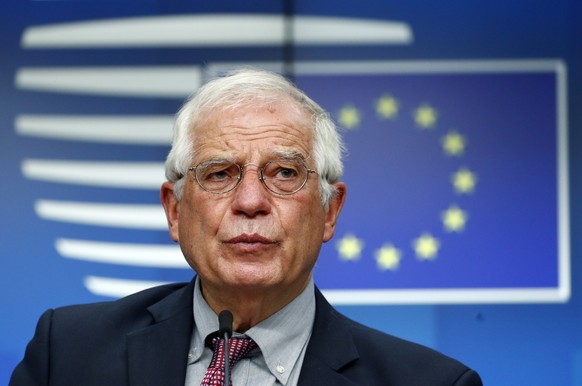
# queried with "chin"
point(253, 276)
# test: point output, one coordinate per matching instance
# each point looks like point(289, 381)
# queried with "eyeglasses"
point(280, 176)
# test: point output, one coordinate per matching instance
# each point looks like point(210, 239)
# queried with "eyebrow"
point(289, 155)
point(286, 155)
point(217, 160)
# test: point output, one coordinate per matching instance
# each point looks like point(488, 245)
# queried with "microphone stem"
point(226, 360)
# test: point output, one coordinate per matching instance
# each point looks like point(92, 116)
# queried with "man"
point(253, 191)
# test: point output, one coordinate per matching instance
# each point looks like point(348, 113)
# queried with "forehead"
point(253, 131)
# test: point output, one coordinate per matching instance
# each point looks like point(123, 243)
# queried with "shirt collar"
point(281, 337)
point(206, 321)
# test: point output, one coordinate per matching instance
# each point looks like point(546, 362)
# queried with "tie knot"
point(238, 348)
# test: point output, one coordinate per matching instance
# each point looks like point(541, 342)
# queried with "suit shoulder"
point(73, 344)
point(131, 308)
point(381, 350)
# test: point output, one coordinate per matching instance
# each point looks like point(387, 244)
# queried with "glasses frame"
point(260, 170)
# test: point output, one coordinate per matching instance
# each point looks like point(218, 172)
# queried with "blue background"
point(518, 344)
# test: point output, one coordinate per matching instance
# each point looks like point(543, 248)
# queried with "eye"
point(282, 170)
point(216, 172)
point(217, 175)
point(286, 173)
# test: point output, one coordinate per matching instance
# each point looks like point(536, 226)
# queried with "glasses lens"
point(217, 177)
point(284, 176)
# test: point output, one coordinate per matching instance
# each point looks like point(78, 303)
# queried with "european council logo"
point(456, 170)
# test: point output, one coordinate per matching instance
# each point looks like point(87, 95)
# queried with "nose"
point(251, 198)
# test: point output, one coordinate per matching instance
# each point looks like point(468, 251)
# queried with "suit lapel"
point(157, 354)
point(330, 348)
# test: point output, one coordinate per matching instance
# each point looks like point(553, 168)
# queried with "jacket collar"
point(157, 354)
point(330, 348)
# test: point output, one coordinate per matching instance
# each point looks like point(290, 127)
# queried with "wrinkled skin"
point(253, 250)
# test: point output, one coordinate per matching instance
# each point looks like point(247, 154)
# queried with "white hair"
point(242, 88)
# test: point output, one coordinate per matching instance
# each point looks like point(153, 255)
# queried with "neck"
point(249, 307)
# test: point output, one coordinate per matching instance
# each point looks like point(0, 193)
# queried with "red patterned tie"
point(239, 347)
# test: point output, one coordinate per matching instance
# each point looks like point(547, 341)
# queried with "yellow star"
point(454, 144)
point(426, 247)
point(464, 181)
point(387, 107)
point(349, 117)
point(425, 116)
point(388, 257)
point(350, 247)
point(454, 219)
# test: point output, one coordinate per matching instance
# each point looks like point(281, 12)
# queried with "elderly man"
point(253, 191)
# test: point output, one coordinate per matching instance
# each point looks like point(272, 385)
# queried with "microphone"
point(225, 332)
point(225, 324)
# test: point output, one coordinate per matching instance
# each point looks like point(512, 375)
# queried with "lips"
point(250, 239)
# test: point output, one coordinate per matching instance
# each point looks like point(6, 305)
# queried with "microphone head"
point(225, 323)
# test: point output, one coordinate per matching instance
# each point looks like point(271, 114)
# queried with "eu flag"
point(457, 181)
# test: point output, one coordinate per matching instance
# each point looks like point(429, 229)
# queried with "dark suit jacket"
point(144, 339)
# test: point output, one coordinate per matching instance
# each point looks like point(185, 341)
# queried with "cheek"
point(308, 217)
point(204, 219)
point(193, 219)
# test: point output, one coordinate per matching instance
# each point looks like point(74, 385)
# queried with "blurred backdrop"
point(463, 127)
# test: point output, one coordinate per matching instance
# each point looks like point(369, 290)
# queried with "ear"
point(334, 208)
point(171, 207)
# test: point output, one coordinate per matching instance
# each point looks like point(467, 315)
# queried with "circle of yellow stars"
point(454, 218)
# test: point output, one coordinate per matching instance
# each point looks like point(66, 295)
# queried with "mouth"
point(253, 244)
point(250, 239)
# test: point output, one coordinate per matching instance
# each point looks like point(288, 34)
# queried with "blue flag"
point(456, 175)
